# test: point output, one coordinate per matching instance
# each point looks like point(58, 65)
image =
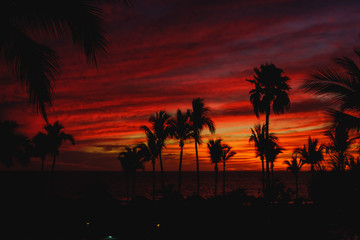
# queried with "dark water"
point(76, 184)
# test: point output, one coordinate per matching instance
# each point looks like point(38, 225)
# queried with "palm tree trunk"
point(216, 178)
point(197, 170)
point(154, 178)
point(296, 186)
point(267, 137)
point(42, 163)
point(53, 164)
point(224, 178)
point(162, 172)
point(262, 174)
point(180, 164)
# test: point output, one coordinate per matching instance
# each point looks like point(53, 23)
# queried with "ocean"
point(75, 184)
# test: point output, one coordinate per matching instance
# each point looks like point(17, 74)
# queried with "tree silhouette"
point(130, 161)
point(339, 147)
point(199, 119)
point(180, 129)
point(41, 147)
point(216, 151)
point(35, 64)
point(149, 152)
point(226, 155)
point(341, 83)
point(258, 136)
point(271, 91)
point(311, 153)
point(55, 136)
point(14, 145)
point(161, 131)
point(294, 166)
point(271, 153)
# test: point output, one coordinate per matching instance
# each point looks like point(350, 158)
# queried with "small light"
point(158, 225)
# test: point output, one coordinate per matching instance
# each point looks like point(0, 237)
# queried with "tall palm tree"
point(14, 145)
point(199, 119)
point(130, 161)
point(270, 92)
point(258, 136)
point(226, 155)
point(55, 136)
point(35, 64)
point(216, 151)
point(149, 152)
point(161, 131)
point(41, 147)
point(180, 129)
point(311, 153)
point(341, 83)
point(294, 166)
point(339, 147)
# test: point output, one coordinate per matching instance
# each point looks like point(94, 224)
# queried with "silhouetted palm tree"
point(180, 129)
point(271, 91)
point(199, 119)
point(311, 153)
point(216, 151)
point(258, 136)
point(342, 84)
point(294, 166)
point(161, 131)
point(271, 153)
point(55, 136)
point(41, 147)
point(130, 161)
point(14, 145)
point(35, 64)
point(149, 152)
point(226, 155)
point(340, 143)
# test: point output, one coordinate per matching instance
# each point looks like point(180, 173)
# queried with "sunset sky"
point(162, 54)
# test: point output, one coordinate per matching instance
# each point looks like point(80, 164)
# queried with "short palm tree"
point(339, 147)
point(149, 152)
point(199, 119)
point(311, 153)
point(180, 129)
point(216, 151)
point(294, 166)
point(56, 136)
point(272, 151)
point(226, 155)
point(161, 131)
point(35, 64)
point(130, 161)
point(341, 83)
point(41, 147)
point(14, 145)
point(258, 136)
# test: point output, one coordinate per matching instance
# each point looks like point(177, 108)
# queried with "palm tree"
point(35, 64)
point(226, 155)
point(341, 83)
point(271, 153)
point(258, 136)
point(180, 129)
point(216, 151)
point(271, 91)
point(339, 147)
point(311, 154)
point(41, 147)
point(55, 136)
point(14, 145)
point(199, 119)
point(130, 160)
point(294, 166)
point(161, 131)
point(149, 152)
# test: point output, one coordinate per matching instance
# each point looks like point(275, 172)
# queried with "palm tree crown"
point(200, 118)
point(311, 153)
point(342, 84)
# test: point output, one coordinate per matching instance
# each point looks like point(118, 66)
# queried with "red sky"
point(165, 53)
